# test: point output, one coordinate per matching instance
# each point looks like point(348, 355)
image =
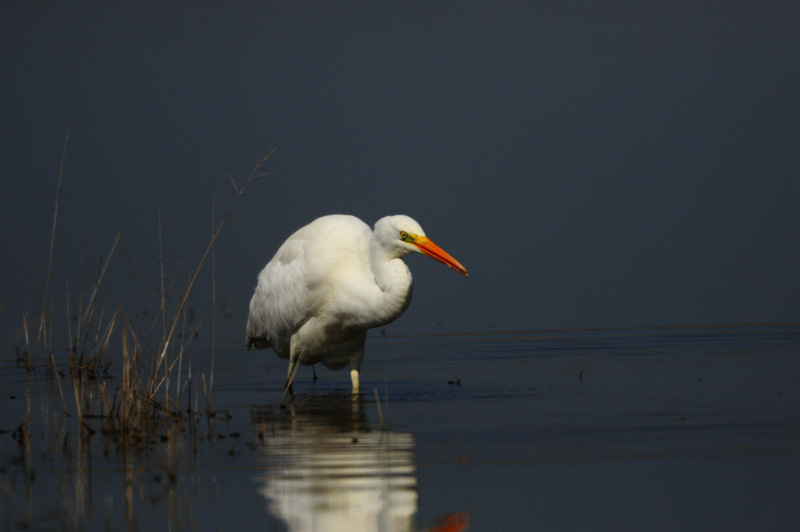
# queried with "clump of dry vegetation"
point(127, 377)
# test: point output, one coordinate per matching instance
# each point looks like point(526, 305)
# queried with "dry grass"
point(148, 392)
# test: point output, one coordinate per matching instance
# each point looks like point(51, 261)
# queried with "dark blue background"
point(591, 164)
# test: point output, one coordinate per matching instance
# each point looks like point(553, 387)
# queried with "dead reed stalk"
point(40, 335)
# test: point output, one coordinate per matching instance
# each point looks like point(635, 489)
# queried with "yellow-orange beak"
point(427, 246)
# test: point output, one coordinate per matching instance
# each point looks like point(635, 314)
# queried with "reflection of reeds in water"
point(325, 469)
point(58, 478)
point(150, 383)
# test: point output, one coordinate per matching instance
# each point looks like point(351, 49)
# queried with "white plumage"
point(329, 283)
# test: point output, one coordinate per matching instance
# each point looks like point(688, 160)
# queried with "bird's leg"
point(355, 365)
point(354, 378)
point(294, 359)
point(314, 369)
point(290, 376)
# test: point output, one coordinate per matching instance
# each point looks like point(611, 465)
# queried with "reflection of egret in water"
point(327, 470)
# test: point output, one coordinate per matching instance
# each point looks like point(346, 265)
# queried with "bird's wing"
point(279, 303)
point(304, 276)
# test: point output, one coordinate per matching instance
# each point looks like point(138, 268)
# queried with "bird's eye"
point(403, 235)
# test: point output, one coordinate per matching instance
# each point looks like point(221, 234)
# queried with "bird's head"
point(406, 235)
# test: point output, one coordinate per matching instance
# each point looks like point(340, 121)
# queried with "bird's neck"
point(395, 282)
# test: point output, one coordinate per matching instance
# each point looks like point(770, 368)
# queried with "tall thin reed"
point(213, 315)
point(40, 333)
point(257, 173)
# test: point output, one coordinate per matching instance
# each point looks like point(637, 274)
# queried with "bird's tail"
point(255, 340)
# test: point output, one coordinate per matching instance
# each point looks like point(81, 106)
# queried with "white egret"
point(329, 283)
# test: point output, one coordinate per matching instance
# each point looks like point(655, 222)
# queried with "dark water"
point(659, 429)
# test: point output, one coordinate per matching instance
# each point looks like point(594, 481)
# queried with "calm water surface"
point(661, 429)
